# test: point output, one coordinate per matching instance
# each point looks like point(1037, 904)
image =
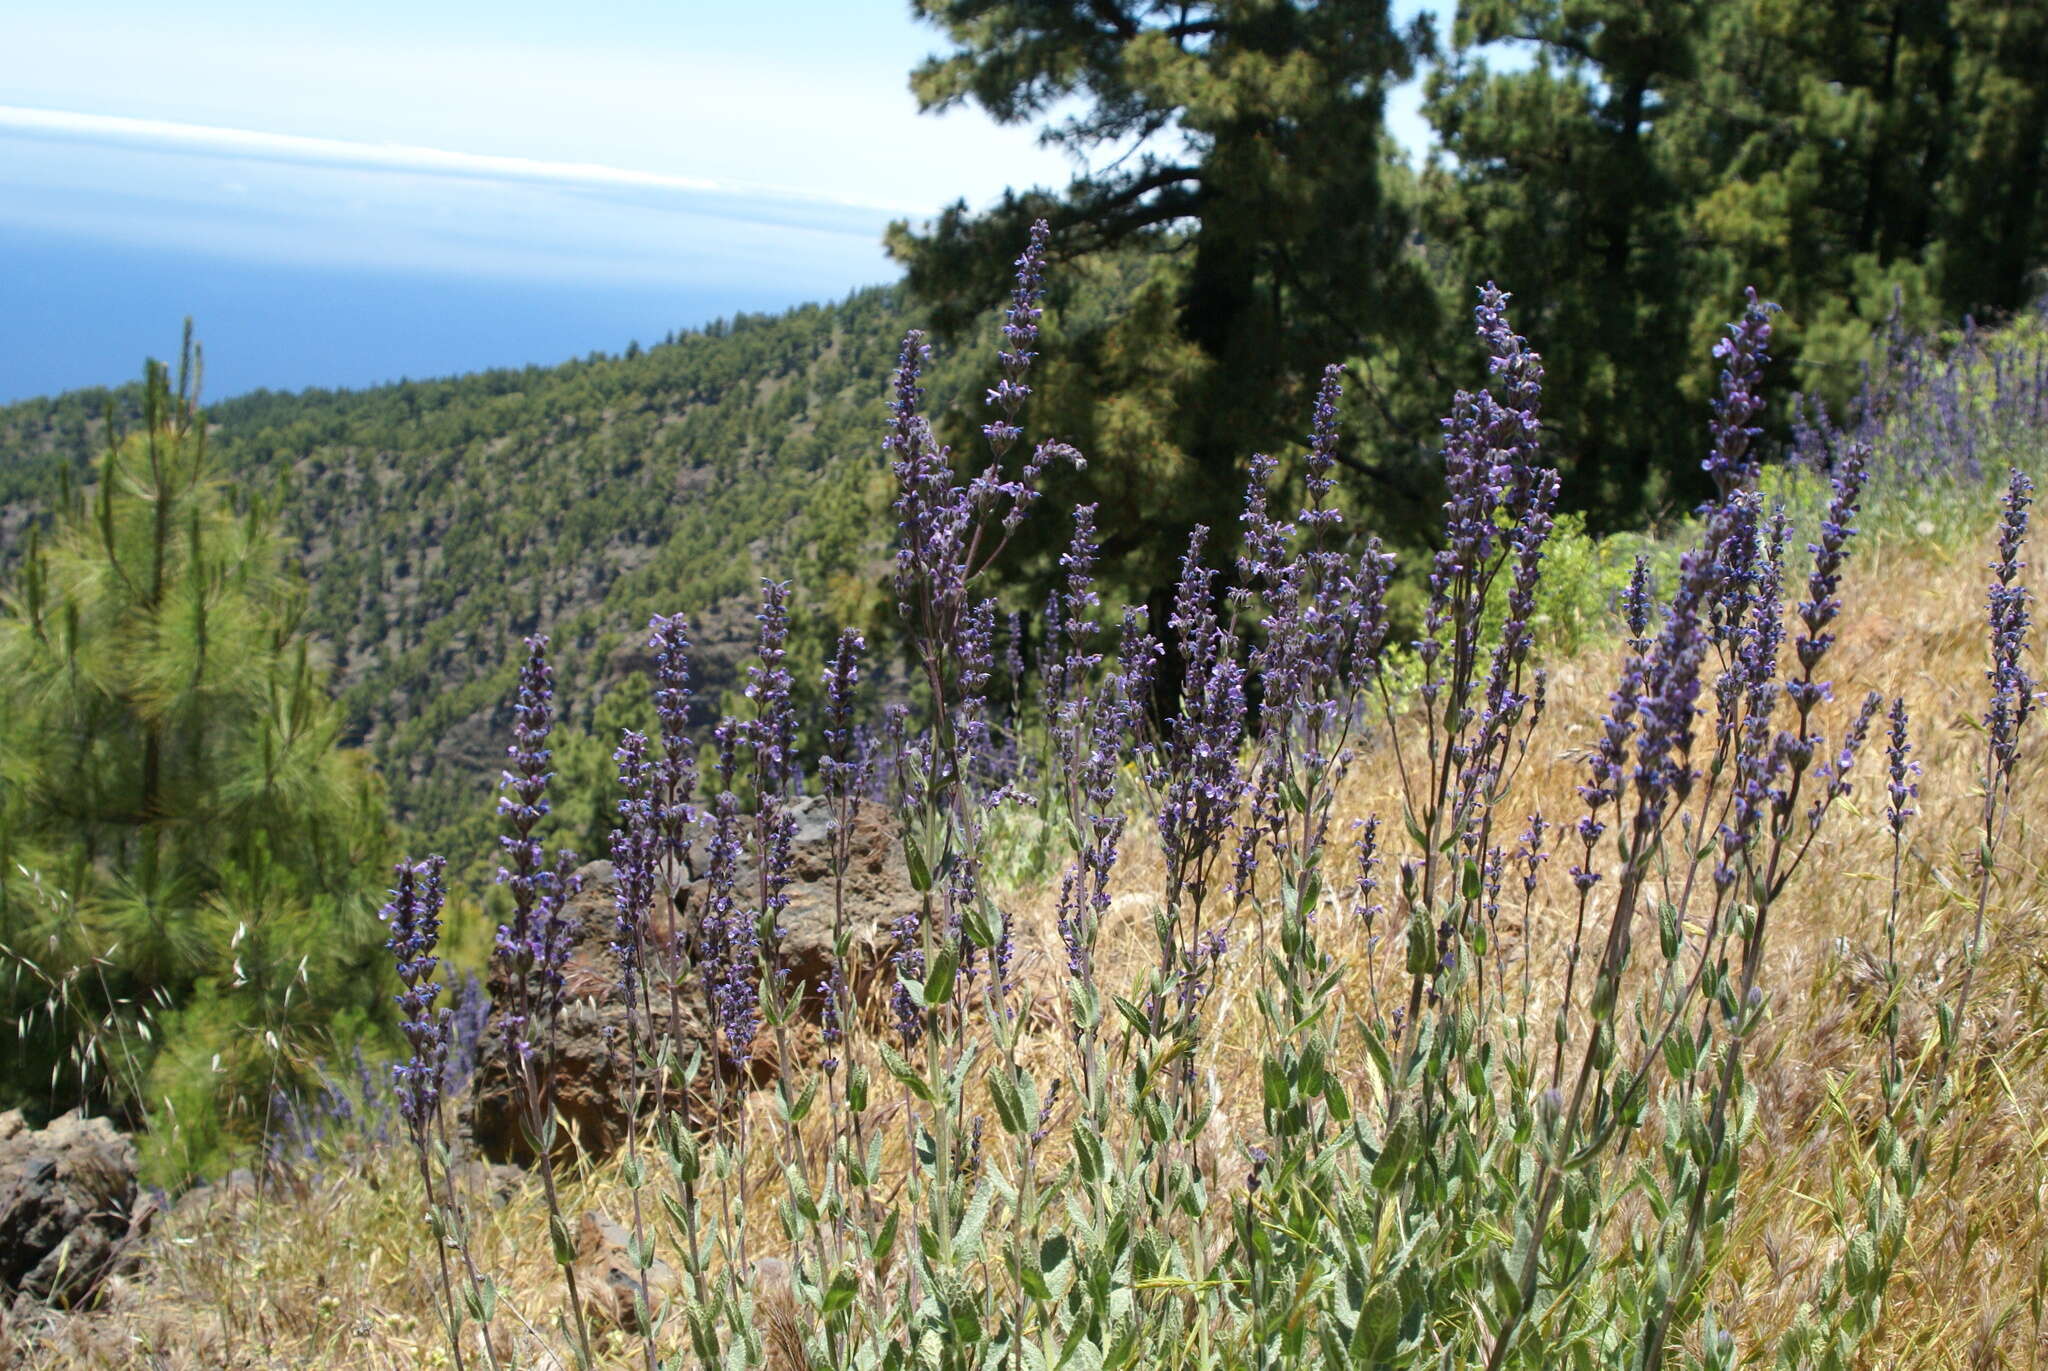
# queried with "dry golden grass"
point(338, 1274)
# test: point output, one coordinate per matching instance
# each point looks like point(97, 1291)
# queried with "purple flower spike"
point(1020, 333)
point(2012, 689)
point(414, 915)
point(635, 860)
point(1635, 605)
point(1837, 526)
point(532, 949)
point(675, 772)
point(1322, 448)
point(1732, 459)
point(1903, 785)
point(840, 765)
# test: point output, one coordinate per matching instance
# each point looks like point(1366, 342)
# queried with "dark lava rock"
point(69, 1211)
point(591, 1080)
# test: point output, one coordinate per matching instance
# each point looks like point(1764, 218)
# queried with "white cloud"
point(295, 149)
point(777, 103)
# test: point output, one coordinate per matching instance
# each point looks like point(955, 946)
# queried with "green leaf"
point(564, 1244)
point(913, 859)
point(1133, 1015)
point(968, 1234)
point(1277, 1087)
point(840, 1294)
point(884, 1242)
point(938, 982)
point(903, 1071)
point(1002, 1090)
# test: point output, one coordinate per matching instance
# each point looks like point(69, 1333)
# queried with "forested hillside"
point(438, 521)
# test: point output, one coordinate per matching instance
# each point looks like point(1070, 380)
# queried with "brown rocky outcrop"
point(69, 1211)
point(591, 1081)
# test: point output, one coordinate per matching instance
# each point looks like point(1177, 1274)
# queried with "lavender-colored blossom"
point(1902, 786)
point(1731, 459)
point(2012, 689)
point(1822, 603)
point(532, 948)
point(1013, 658)
point(1020, 333)
point(1322, 450)
point(839, 767)
point(1670, 695)
point(414, 914)
point(675, 767)
point(636, 857)
point(1833, 774)
point(772, 731)
point(1530, 853)
point(976, 652)
point(728, 933)
point(907, 958)
point(1636, 602)
point(1489, 444)
point(1365, 881)
point(1199, 775)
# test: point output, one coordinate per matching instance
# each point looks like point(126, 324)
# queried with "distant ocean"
point(85, 312)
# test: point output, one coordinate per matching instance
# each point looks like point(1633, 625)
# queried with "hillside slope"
point(438, 521)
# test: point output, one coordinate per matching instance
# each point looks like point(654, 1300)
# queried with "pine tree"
point(1248, 222)
point(190, 857)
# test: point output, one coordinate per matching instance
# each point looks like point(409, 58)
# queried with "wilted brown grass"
point(337, 1273)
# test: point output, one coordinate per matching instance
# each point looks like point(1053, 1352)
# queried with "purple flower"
point(1822, 603)
point(907, 957)
point(414, 915)
point(2012, 689)
point(1020, 332)
point(728, 933)
point(1365, 882)
point(1732, 460)
point(840, 765)
point(636, 857)
point(1322, 448)
point(532, 949)
point(675, 769)
point(1903, 786)
point(1635, 604)
point(1198, 771)
point(1529, 852)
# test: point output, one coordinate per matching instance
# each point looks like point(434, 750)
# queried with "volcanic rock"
point(592, 1081)
point(69, 1211)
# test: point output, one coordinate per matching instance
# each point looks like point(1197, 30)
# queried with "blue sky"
point(345, 194)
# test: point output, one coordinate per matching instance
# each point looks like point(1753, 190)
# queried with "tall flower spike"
point(1903, 785)
point(1020, 333)
point(1635, 604)
point(838, 767)
point(1322, 448)
point(675, 771)
point(532, 948)
point(2012, 690)
point(1743, 354)
point(1837, 526)
point(635, 857)
point(728, 934)
point(414, 916)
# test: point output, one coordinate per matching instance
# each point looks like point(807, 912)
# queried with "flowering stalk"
point(414, 915)
point(2010, 708)
point(532, 949)
point(635, 848)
